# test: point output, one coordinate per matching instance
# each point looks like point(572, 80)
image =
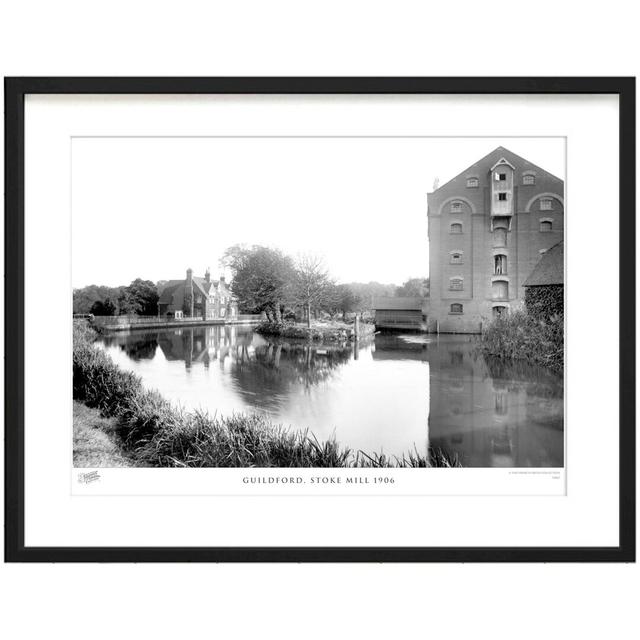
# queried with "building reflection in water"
point(487, 412)
point(493, 413)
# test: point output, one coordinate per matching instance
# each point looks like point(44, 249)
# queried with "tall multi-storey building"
point(488, 228)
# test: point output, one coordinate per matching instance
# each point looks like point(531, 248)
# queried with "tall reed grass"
point(521, 336)
point(161, 435)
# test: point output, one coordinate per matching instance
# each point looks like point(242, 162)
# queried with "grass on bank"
point(95, 442)
point(521, 336)
point(158, 434)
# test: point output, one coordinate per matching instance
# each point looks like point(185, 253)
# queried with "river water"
point(391, 394)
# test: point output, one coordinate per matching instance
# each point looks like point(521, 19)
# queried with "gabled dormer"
point(502, 181)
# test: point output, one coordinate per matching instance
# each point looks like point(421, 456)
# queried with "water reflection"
point(494, 413)
point(142, 348)
point(391, 394)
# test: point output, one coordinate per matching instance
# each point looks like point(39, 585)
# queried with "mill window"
point(472, 182)
point(528, 179)
point(499, 312)
point(456, 207)
point(502, 196)
point(500, 265)
point(500, 290)
point(455, 308)
point(456, 284)
point(456, 227)
point(546, 225)
point(545, 204)
point(500, 237)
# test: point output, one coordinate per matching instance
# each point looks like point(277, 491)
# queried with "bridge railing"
point(131, 319)
point(128, 320)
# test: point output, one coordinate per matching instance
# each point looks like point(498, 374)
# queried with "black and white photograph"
point(272, 309)
point(318, 301)
point(320, 320)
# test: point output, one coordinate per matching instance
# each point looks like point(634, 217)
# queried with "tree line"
point(268, 281)
point(264, 280)
point(138, 298)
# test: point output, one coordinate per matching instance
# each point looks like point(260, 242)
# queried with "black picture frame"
point(15, 91)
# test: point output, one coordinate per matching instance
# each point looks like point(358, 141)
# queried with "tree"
point(261, 278)
point(312, 284)
point(86, 297)
point(106, 307)
point(140, 297)
point(146, 293)
point(347, 300)
point(366, 292)
point(414, 288)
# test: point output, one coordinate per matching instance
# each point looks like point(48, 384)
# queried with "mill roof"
point(489, 161)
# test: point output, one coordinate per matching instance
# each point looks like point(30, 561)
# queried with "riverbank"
point(95, 443)
point(520, 336)
point(325, 331)
point(155, 433)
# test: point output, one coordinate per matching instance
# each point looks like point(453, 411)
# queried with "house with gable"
point(196, 297)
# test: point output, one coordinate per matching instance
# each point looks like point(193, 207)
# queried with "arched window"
point(456, 207)
point(500, 290)
point(545, 204)
point(500, 265)
point(546, 225)
point(528, 178)
point(472, 182)
point(456, 284)
point(499, 312)
point(500, 237)
point(456, 307)
point(456, 257)
point(456, 227)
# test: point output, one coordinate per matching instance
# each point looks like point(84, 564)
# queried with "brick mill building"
point(488, 229)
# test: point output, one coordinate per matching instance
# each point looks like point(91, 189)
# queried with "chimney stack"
point(207, 275)
point(222, 280)
point(187, 306)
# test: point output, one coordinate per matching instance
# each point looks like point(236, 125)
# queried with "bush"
point(160, 435)
point(544, 302)
point(520, 336)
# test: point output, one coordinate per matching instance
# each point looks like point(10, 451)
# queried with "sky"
point(153, 207)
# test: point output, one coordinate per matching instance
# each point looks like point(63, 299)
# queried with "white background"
point(587, 516)
point(329, 38)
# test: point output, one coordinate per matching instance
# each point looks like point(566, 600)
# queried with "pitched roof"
point(202, 284)
point(172, 292)
point(412, 304)
point(550, 268)
point(484, 164)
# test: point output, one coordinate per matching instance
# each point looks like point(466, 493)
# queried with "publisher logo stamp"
point(88, 477)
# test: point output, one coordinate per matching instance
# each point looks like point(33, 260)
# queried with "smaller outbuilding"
point(401, 313)
point(544, 288)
